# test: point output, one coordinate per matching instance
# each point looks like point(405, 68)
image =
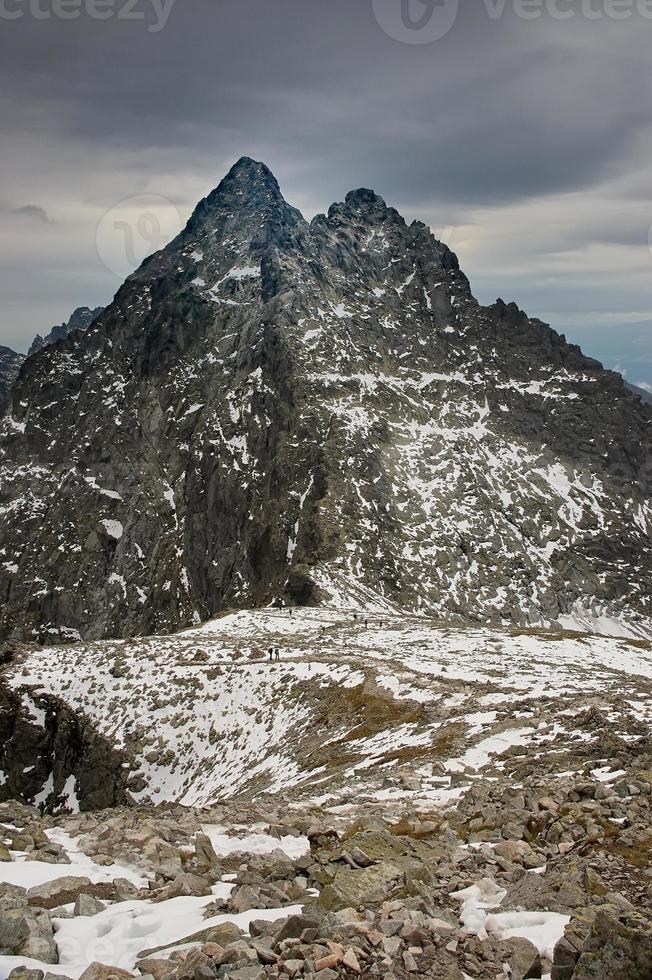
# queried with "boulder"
point(159, 969)
point(99, 971)
point(222, 935)
point(525, 961)
point(617, 947)
point(205, 852)
point(369, 886)
point(24, 932)
point(293, 927)
point(184, 885)
point(578, 931)
point(12, 897)
point(61, 891)
point(87, 905)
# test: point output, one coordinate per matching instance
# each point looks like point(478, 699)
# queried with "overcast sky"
point(525, 143)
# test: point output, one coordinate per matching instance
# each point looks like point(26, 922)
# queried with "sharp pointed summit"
point(322, 413)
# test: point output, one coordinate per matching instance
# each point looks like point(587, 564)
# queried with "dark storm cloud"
point(498, 121)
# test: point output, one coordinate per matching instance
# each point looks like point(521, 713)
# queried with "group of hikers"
point(366, 621)
point(281, 604)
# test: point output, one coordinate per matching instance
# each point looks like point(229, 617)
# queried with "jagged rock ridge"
point(322, 411)
point(80, 319)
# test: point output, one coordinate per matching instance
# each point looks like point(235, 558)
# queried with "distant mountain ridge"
point(319, 411)
point(80, 319)
point(643, 394)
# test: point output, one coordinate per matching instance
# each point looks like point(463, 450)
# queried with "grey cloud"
point(34, 213)
point(495, 116)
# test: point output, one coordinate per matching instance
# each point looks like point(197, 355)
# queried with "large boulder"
point(99, 971)
point(617, 948)
point(350, 888)
point(611, 941)
point(525, 961)
point(12, 897)
point(25, 932)
point(61, 891)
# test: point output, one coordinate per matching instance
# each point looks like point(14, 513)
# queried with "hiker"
point(355, 617)
point(278, 654)
point(271, 653)
point(366, 624)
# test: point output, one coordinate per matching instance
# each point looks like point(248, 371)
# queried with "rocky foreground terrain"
point(390, 798)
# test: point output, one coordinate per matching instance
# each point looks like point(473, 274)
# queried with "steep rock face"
point(80, 319)
point(10, 362)
point(50, 755)
point(321, 411)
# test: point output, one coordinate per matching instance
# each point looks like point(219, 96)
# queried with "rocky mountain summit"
point(80, 319)
point(320, 412)
point(10, 362)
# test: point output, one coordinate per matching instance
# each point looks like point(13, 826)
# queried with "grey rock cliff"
point(321, 411)
point(10, 362)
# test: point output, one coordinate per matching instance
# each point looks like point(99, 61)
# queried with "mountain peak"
point(321, 413)
point(364, 204)
point(250, 188)
point(248, 181)
point(363, 197)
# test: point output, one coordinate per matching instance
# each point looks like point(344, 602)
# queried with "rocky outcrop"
point(51, 755)
point(322, 412)
point(611, 942)
point(25, 931)
point(80, 319)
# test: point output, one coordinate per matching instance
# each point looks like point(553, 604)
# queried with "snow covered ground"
point(213, 717)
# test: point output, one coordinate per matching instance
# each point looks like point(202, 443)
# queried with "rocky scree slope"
point(320, 411)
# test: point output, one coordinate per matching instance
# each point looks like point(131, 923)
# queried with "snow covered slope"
point(204, 716)
point(322, 412)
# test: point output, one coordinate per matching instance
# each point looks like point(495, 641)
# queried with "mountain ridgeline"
point(320, 412)
point(80, 319)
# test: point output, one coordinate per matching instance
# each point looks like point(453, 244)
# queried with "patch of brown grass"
point(375, 713)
